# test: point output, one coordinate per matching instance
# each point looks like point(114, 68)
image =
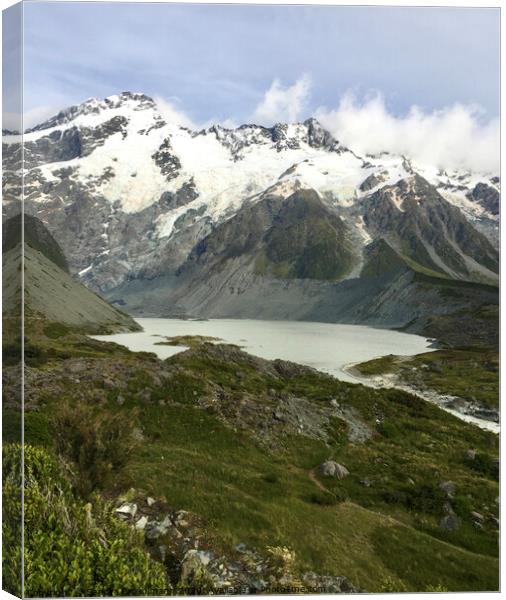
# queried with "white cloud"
point(453, 137)
point(173, 115)
point(228, 123)
point(283, 104)
point(32, 117)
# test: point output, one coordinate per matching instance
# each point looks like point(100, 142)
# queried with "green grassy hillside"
point(239, 441)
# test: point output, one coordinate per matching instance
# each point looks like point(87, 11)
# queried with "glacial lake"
point(327, 347)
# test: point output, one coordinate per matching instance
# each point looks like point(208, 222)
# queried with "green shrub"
point(71, 548)
point(11, 354)
point(486, 465)
point(55, 330)
point(324, 498)
point(96, 444)
point(11, 519)
point(35, 356)
point(389, 430)
point(271, 478)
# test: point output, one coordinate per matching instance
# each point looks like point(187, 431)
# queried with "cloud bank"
point(283, 104)
point(453, 137)
point(171, 114)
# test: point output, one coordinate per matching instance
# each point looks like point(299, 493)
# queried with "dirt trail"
point(319, 484)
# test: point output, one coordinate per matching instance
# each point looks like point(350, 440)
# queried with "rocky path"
point(316, 481)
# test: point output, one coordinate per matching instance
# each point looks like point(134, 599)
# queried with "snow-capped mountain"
point(130, 196)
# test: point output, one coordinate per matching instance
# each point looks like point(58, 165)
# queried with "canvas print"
point(250, 299)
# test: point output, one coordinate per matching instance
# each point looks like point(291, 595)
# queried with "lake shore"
point(322, 346)
point(465, 410)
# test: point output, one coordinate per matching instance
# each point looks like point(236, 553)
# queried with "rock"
point(193, 562)
point(128, 509)
point(450, 522)
point(141, 523)
point(150, 501)
point(330, 468)
point(447, 508)
point(477, 516)
point(120, 400)
point(137, 434)
point(144, 395)
point(449, 488)
point(327, 584)
point(108, 384)
point(155, 529)
point(366, 482)
point(471, 454)
point(279, 416)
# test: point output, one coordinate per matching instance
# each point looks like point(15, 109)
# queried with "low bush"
point(55, 330)
point(71, 548)
point(324, 498)
point(96, 444)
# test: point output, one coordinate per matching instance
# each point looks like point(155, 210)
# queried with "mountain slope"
point(49, 290)
point(293, 238)
point(423, 226)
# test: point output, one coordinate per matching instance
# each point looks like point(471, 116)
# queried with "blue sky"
point(217, 62)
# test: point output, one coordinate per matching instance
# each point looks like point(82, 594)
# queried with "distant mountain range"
point(281, 222)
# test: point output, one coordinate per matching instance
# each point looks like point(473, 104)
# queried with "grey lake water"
point(327, 347)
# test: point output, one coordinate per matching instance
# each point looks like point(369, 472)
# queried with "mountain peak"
point(95, 106)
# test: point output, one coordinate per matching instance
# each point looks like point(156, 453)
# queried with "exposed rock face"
point(487, 196)
point(420, 224)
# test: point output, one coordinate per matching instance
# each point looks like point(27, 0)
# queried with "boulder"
point(127, 509)
point(141, 523)
point(155, 529)
point(477, 516)
point(194, 561)
point(450, 522)
point(449, 488)
point(108, 384)
point(330, 468)
point(327, 584)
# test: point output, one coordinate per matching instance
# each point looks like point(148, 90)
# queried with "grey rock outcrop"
point(330, 468)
